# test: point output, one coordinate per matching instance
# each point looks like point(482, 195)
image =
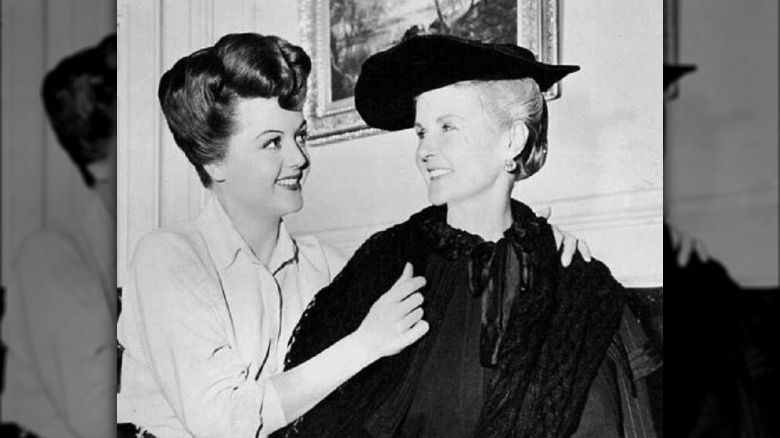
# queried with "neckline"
point(454, 243)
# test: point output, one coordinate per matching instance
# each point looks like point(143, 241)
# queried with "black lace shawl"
point(545, 328)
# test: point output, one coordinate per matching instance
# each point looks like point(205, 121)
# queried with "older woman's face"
point(266, 159)
point(460, 151)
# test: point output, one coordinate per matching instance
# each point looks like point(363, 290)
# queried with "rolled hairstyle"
point(200, 92)
point(79, 96)
point(517, 100)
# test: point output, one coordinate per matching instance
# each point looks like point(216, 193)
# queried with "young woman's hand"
point(568, 241)
point(395, 320)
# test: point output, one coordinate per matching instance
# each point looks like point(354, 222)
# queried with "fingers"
point(584, 250)
point(412, 318)
point(415, 333)
point(406, 274)
point(545, 212)
point(404, 286)
point(412, 302)
point(569, 247)
point(558, 234)
point(402, 291)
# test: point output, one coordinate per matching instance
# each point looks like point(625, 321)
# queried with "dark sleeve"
point(335, 312)
point(338, 309)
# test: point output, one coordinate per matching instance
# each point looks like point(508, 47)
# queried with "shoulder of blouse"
point(320, 254)
point(179, 248)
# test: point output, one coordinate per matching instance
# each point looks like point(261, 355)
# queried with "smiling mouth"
point(438, 173)
point(290, 182)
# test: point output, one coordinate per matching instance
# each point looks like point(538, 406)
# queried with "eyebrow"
point(278, 131)
point(440, 118)
point(268, 131)
point(449, 116)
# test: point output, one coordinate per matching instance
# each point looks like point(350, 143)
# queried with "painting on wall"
point(341, 34)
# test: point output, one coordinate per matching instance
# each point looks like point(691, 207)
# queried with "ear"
point(216, 171)
point(518, 136)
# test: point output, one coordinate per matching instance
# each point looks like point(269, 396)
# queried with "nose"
point(425, 149)
point(297, 157)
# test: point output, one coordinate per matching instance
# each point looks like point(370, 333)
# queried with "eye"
point(448, 127)
point(301, 138)
point(274, 143)
point(420, 133)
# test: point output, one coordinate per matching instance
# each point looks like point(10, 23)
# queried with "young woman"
point(518, 345)
point(209, 303)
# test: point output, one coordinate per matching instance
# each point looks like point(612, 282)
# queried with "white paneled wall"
point(39, 183)
point(604, 177)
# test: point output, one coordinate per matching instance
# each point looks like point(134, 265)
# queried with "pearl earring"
point(510, 165)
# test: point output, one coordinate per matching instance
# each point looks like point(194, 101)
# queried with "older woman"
point(518, 345)
point(210, 303)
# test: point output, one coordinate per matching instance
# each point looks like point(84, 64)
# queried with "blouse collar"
point(453, 243)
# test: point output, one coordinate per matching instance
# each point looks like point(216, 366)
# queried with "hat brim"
point(672, 73)
point(389, 81)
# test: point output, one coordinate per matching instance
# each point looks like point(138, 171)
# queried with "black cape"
point(547, 328)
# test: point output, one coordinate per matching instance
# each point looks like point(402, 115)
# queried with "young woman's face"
point(460, 152)
point(266, 159)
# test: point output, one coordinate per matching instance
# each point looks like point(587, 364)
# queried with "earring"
point(510, 165)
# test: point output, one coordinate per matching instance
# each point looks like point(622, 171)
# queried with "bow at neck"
point(499, 272)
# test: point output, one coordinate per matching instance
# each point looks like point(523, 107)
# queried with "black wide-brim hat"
point(390, 80)
point(673, 72)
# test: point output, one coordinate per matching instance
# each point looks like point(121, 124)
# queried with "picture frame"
point(340, 34)
point(671, 43)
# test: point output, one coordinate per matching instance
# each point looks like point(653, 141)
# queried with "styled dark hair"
point(200, 92)
point(80, 99)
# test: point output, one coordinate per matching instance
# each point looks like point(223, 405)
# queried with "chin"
point(437, 198)
point(296, 207)
point(291, 206)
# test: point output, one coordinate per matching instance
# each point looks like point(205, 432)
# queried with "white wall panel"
point(139, 37)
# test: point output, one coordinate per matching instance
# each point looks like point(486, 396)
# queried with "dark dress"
point(518, 345)
point(450, 395)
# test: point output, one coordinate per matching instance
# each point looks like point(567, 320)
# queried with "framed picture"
point(340, 34)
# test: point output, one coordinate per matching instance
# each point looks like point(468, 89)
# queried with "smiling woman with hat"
point(518, 345)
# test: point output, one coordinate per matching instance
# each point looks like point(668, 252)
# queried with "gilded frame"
point(336, 120)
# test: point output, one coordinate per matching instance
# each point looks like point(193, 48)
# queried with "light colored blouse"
point(204, 324)
point(61, 305)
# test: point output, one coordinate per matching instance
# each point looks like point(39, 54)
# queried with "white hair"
point(517, 100)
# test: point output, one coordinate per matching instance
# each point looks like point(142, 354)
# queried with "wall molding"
point(611, 214)
point(583, 213)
